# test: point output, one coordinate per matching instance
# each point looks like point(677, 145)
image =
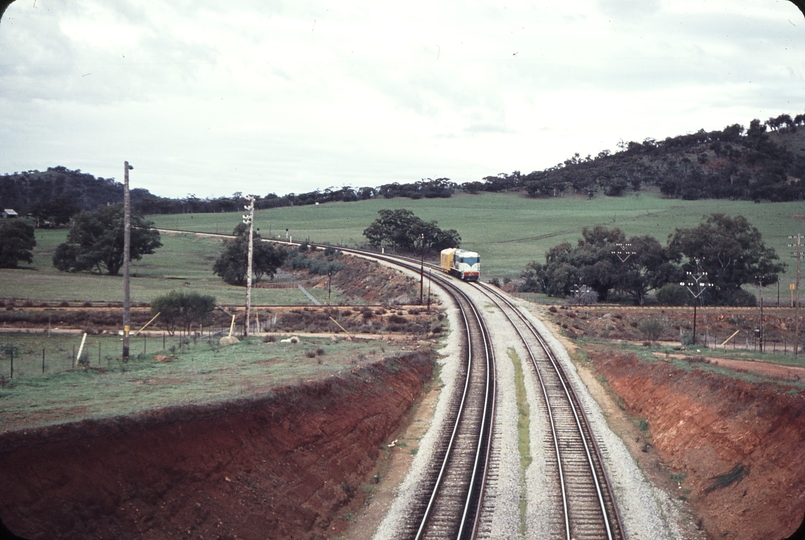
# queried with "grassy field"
point(508, 230)
point(183, 262)
point(197, 373)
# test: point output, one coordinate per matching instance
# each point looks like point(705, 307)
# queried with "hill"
point(765, 162)
point(58, 193)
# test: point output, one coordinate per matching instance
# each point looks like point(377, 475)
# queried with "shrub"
point(182, 309)
point(651, 328)
point(738, 297)
point(672, 294)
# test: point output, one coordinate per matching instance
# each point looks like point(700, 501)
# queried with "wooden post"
point(149, 322)
point(80, 350)
point(126, 258)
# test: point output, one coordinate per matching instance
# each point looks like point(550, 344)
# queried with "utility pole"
point(796, 291)
point(760, 329)
point(126, 258)
point(422, 271)
point(700, 286)
point(249, 219)
point(623, 253)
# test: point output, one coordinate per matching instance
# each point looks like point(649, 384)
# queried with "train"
point(461, 263)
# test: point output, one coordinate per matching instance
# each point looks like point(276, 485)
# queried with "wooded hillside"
point(765, 162)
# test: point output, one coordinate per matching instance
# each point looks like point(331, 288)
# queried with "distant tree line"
point(54, 196)
point(765, 162)
point(728, 249)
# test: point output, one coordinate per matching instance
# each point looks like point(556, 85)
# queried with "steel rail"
point(473, 493)
point(612, 525)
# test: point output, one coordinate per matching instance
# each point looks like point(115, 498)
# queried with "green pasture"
point(197, 373)
point(184, 262)
point(508, 230)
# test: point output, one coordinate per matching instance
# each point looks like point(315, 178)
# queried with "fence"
point(29, 355)
point(747, 343)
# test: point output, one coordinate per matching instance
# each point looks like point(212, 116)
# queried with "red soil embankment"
point(286, 465)
point(736, 446)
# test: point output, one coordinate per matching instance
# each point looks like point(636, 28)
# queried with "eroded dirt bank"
point(286, 465)
point(735, 447)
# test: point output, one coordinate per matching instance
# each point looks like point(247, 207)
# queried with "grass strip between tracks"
point(523, 428)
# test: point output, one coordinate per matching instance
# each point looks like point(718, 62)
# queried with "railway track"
point(583, 504)
point(448, 501)
point(450, 498)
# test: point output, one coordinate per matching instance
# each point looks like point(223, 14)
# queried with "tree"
point(603, 262)
point(648, 268)
point(58, 210)
point(533, 278)
point(730, 250)
point(16, 242)
point(182, 309)
point(95, 241)
point(401, 230)
point(232, 264)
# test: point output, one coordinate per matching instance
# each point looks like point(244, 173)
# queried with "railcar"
point(461, 263)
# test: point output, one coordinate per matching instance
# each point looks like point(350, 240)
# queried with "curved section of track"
point(451, 495)
point(582, 497)
point(448, 503)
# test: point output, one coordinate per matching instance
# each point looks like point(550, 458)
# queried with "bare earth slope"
point(735, 447)
point(285, 465)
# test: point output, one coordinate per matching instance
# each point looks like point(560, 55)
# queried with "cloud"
point(292, 96)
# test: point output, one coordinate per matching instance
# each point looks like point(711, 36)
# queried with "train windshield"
point(469, 260)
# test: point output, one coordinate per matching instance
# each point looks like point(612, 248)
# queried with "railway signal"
point(248, 219)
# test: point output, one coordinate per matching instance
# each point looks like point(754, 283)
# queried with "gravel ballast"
point(647, 511)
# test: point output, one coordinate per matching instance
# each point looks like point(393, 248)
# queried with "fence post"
point(12, 362)
point(43, 361)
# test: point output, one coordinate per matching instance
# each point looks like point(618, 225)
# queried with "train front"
point(467, 265)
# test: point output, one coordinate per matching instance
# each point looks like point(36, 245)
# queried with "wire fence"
point(30, 355)
point(744, 342)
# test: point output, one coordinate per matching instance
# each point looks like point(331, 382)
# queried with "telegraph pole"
point(796, 290)
point(249, 218)
point(760, 294)
point(422, 271)
point(126, 258)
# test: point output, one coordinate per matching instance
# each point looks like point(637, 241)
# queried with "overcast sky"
point(212, 98)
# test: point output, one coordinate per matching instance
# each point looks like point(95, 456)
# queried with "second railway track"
point(582, 502)
point(449, 503)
